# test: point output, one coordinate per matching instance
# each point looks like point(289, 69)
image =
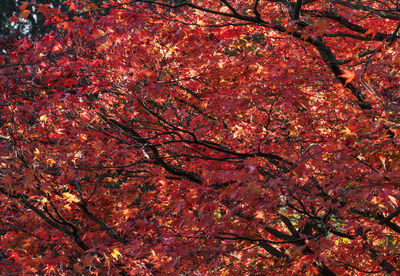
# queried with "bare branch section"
point(297, 9)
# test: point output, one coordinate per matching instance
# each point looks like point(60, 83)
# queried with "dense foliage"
point(202, 137)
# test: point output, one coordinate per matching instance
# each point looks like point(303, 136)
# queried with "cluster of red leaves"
point(207, 137)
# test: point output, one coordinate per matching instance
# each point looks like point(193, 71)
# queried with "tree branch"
point(255, 9)
point(297, 9)
point(102, 224)
point(346, 23)
point(380, 13)
point(72, 234)
point(233, 10)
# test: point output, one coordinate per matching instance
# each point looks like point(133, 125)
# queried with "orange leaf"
point(67, 26)
point(25, 13)
point(372, 32)
point(13, 18)
point(72, 7)
point(50, 162)
point(348, 75)
point(290, 29)
point(87, 259)
point(23, 6)
point(78, 268)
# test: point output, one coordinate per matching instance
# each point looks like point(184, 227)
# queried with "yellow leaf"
point(82, 137)
point(115, 253)
point(383, 161)
point(43, 118)
point(110, 179)
point(105, 45)
point(347, 132)
point(393, 200)
point(50, 162)
point(71, 198)
point(57, 47)
point(59, 131)
point(260, 215)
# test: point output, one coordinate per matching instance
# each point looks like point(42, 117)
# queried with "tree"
point(203, 137)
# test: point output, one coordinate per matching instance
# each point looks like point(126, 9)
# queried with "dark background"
point(32, 26)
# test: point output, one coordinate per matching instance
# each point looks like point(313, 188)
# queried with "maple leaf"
point(78, 268)
point(13, 19)
point(67, 26)
point(72, 6)
point(348, 76)
point(43, 118)
point(23, 5)
point(115, 253)
point(71, 198)
point(25, 13)
point(14, 255)
point(373, 32)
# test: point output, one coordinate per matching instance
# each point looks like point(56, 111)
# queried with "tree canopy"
point(202, 137)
